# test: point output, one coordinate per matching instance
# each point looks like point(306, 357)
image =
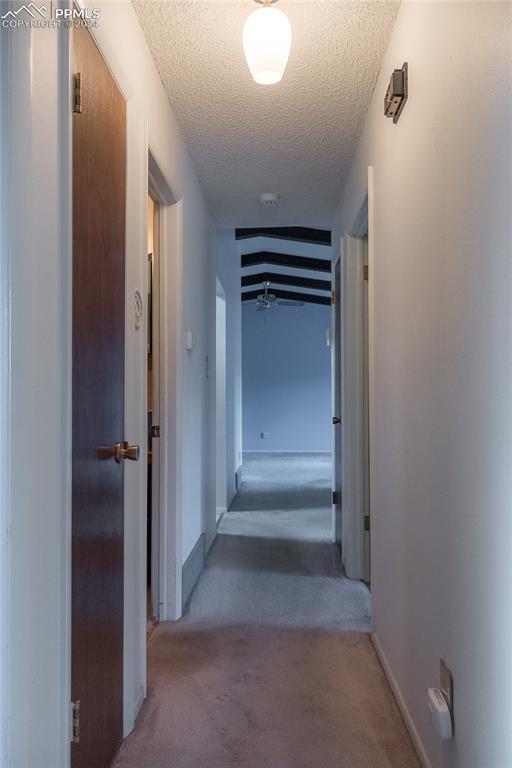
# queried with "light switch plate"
point(190, 341)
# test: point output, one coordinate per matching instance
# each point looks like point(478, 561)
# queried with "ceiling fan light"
point(267, 41)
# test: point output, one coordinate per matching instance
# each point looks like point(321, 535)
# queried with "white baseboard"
point(296, 453)
point(409, 723)
point(192, 568)
point(238, 482)
point(172, 614)
point(129, 722)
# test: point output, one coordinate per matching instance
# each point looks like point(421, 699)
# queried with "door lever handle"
point(126, 450)
point(336, 419)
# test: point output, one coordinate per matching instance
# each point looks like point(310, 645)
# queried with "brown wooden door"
point(99, 190)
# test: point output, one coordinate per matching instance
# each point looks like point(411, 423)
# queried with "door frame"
point(352, 245)
point(5, 377)
point(154, 442)
point(144, 175)
point(352, 407)
point(221, 491)
point(168, 234)
point(335, 331)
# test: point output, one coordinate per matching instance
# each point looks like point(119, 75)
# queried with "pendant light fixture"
point(267, 39)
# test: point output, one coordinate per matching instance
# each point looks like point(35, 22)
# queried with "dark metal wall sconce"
point(396, 95)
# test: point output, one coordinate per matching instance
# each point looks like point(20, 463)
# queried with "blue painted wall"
point(286, 378)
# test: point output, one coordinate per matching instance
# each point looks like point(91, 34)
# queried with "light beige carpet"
point(250, 698)
point(261, 672)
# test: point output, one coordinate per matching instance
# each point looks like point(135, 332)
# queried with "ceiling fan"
point(266, 299)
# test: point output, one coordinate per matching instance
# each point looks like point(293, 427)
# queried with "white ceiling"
point(296, 138)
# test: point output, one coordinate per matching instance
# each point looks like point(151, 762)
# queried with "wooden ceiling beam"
point(280, 279)
point(285, 260)
point(298, 234)
point(308, 298)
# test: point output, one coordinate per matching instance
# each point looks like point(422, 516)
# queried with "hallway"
point(271, 666)
point(325, 266)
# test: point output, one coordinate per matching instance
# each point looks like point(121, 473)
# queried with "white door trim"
point(333, 338)
point(371, 357)
point(220, 401)
point(171, 365)
point(355, 557)
point(35, 395)
point(154, 442)
point(352, 409)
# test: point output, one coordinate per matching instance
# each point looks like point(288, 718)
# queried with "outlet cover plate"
point(446, 679)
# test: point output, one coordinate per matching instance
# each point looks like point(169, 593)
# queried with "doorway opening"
point(153, 413)
point(286, 492)
point(220, 401)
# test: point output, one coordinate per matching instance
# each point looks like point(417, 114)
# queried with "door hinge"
point(155, 431)
point(77, 92)
point(75, 712)
point(367, 522)
point(333, 297)
point(335, 496)
point(365, 271)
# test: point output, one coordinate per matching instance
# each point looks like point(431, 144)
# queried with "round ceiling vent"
point(269, 199)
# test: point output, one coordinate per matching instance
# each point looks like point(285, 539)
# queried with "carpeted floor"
point(271, 666)
point(273, 562)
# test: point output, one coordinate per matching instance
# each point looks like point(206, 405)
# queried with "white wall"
point(5, 311)
point(441, 272)
point(286, 378)
point(38, 457)
point(40, 288)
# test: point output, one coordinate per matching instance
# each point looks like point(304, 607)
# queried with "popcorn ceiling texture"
point(296, 138)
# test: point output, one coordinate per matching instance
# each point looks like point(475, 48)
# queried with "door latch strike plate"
point(75, 710)
point(77, 92)
point(367, 522)
point(155, 430)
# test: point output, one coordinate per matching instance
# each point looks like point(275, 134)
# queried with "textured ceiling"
point(296, 138)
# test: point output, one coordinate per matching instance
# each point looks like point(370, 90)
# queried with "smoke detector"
point(269, 199)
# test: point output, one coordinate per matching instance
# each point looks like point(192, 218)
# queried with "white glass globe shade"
point(267, 39)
